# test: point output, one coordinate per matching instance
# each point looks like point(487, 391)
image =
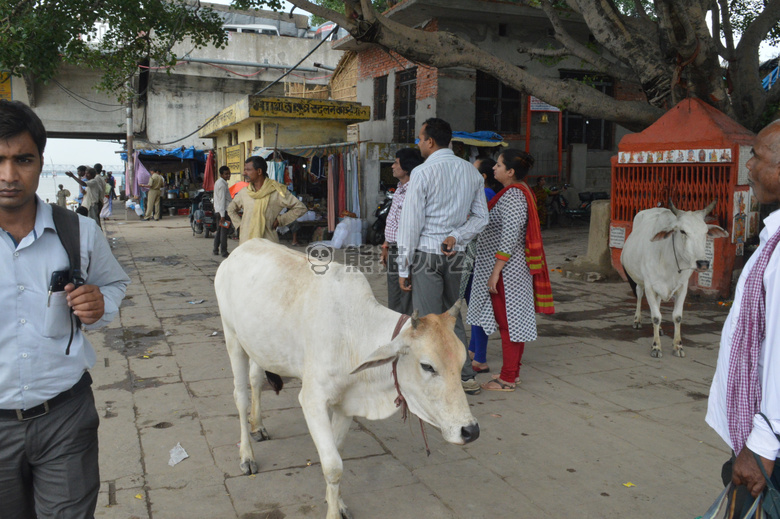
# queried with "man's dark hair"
point(486, 169)
point(409, 158)
point(439, 130)
point(519, 161)
point(258, 163)
point(98, 167)
point(17, 118)
point(223, 169)
point(60, 186)
point(82, 170)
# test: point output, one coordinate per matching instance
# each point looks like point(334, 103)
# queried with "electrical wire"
point(275, 81)
point(82, 97)
point(76, 98)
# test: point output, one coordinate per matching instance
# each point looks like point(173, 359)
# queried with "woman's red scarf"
point(534, 251)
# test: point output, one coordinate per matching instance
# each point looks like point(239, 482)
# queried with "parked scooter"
point(582, 211)
point(376, 233)
point(202, 218)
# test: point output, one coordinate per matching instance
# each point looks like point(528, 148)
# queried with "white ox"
point(328, 330)
point(664, 248)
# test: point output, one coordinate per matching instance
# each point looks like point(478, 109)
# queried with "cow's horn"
point(455, 310)
point(709, 208)
point(415, 319)
point(673, 208)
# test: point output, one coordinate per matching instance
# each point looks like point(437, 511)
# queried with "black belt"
point(44, 408)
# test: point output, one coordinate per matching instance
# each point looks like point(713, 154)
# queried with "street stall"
point(305, 144)
point(182, 168)
point(692, 155)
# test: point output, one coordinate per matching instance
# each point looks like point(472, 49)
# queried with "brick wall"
point(376, 62)
point(626, 91)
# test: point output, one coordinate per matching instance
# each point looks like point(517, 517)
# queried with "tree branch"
point(719, 48)
point(581, 51)
point(727, 28)
point(640, 9)
point(548, 53)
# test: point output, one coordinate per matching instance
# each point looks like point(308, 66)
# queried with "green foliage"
point(37, 35)
point(338, 6)
point(742, 14)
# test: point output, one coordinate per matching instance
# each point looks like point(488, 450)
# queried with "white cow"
point(327, 329)
point(664, 248)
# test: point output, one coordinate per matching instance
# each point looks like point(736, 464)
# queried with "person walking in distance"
point(153, 198)
point(48, 419)
point(62, 196)
point(95, 187)
point(222, 200)
point(443, 211)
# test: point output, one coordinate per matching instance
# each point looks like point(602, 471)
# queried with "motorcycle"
point(202, 218)
point(376, 233)
point(586, 200)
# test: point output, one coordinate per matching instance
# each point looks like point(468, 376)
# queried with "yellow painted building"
point(278, 122)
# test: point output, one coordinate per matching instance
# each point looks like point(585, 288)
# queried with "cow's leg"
point(257, 430)
point(340, 424)
point(239, 361)
point(655, 313)
point(315, 410)
point(679, 302)
point(640, 292)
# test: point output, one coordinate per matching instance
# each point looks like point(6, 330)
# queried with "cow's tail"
point(631, 282)
point(275, 381)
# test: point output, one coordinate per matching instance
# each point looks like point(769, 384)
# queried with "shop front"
point(305, 144)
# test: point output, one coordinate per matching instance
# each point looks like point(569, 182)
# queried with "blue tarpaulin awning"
point(178, 153)
point(479, 138)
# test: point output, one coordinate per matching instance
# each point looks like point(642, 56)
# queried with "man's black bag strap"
point(66, 224)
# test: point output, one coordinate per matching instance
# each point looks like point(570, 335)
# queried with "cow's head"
point(430, 357)
point(690, 233)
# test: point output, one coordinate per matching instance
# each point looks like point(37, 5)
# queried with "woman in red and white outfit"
point(503, 291)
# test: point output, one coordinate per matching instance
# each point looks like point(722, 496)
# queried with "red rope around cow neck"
point(400, 401)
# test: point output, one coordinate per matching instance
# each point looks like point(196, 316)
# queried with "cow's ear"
point(713, 231)
point(663, 235)
point(382, 355)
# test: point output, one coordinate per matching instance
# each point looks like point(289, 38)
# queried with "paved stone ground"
point(597, 429)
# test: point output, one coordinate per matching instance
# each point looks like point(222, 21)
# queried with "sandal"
point(502, 386)
point(517, 380)
point(480, 368)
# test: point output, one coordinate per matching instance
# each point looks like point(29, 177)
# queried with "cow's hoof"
point(637, 325)
point(656, 353)
point(679, 352)
point(260, 435)
point(249, 467)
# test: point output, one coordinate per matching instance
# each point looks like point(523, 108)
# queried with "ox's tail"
point(631, 282)
point(275, 381)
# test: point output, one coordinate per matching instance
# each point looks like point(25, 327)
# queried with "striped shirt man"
point(394, 216)
point(445, 198)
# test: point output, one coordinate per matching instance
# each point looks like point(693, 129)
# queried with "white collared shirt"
point(445, 197)
point(761, 440)
point(222, 197)
point(34, 330)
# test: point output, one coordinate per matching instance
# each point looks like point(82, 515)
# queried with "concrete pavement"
point(597, 429)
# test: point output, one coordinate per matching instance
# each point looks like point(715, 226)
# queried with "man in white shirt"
point(443, 211)
point(48, 420)
point(222, 200)
point(93, 198)
point(746, 384)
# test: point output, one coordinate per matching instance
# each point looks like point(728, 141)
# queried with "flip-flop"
point(478, 369)
point(502, 386)
point(517, 380)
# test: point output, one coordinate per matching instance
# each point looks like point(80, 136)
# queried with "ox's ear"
point(663, 235)
point(713, 231)
point(382, 355)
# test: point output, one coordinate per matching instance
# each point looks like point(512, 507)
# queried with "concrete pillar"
point(596, 265)
point(578, 158)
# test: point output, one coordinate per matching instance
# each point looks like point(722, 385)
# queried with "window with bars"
point(380, 98)
point(405, 105)
point(579, 129)
point(498, 107)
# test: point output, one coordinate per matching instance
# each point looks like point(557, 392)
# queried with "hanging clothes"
point(332, 194)
point(276, 171)
point(342, 183)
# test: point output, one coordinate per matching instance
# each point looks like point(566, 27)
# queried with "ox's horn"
point(673, 208)
point(415, 319)
point(455, 310)
point(707, 210)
